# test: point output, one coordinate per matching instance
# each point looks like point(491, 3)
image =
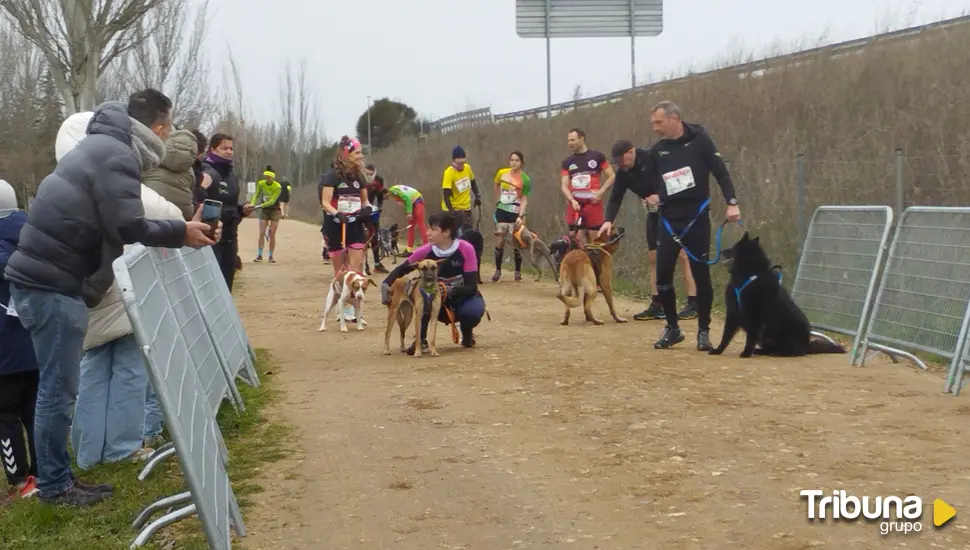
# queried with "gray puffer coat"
point(89, 207)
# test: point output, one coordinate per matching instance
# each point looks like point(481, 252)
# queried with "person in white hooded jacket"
point(110, 413)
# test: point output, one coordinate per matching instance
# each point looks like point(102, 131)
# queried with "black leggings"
point(226, 251)
point(18, 396)
point(375, 241)
point(698, 242)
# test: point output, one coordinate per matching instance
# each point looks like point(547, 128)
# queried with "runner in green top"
point(414, 207)
point(265, 198)
point(512, 187)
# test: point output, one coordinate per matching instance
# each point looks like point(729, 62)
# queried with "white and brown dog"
point(346, 289)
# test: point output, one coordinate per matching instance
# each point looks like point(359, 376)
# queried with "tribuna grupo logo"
point(894, 514)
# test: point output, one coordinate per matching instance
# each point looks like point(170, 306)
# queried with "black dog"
point(559, 248)
point(475, 238)
point(757, 302)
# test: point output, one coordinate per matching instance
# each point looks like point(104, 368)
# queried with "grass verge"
point(253, 441)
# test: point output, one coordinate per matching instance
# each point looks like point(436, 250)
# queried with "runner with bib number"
point(512, 187)
point(681, 165)
point(586, 177)
point(343, 197)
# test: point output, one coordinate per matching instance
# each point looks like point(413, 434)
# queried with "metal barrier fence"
point(958, 367)
point(158, 297)
point(837, 273)
point(923, 298)
point(220, 314)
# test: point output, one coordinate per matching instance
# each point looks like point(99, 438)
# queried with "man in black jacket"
point(631, 175)
point(85, 211)
point(677, 179)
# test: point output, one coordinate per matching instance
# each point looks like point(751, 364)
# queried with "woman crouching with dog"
point(343, 197)
point(457, 272)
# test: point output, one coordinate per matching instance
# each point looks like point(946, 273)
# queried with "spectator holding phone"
point(84, 213)
point(111, 409)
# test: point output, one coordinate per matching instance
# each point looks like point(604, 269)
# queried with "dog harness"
point(678, 237)
point(753, 278)
point(594, 257)
point(427, 295)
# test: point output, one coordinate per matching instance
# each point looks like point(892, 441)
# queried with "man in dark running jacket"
point(679, 168)
point(632, 175)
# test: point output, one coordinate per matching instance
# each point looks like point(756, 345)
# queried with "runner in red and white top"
point(586, 178)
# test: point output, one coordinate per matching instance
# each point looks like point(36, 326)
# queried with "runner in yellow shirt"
point(457, 187)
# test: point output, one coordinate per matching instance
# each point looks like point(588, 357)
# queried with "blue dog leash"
point(678, 238)
point(751, 279)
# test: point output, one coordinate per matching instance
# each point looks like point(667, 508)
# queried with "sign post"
point(584, 19)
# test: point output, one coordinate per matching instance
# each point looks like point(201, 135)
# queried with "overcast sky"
point(446, 56)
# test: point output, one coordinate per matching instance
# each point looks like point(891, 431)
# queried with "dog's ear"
point(755, 240)
point(441, 261)
point(370, 282)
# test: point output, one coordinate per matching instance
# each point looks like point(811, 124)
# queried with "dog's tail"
point(570, 294)
point(821, 345)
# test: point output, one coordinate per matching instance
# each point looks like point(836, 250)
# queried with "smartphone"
point(211, 214)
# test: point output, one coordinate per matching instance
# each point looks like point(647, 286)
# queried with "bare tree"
point(169, 55)
point(29, 116)
point(78, 38)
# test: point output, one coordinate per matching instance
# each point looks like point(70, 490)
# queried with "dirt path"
point(579, 437)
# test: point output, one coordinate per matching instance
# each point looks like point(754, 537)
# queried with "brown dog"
point(526, 239)
point(581, 270)
point(409, 298)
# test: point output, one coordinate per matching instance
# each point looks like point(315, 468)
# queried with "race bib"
point(462, 185)
point(679, 181)
point(348, 204)
point(582, 181)
point(508, 197)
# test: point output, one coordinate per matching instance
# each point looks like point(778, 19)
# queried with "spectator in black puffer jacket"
point(85, 211)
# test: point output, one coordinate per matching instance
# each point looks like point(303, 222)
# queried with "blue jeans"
point(468, 314)
point(153, 413)
point(57, 324)
point(109, 416)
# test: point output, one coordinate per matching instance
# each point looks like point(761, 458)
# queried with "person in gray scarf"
point(84, 212)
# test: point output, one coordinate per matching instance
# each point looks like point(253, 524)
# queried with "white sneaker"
point(349, 315)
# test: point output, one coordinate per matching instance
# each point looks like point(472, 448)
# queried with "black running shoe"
point(655, 311)
point(76, 497)
point(671, 336)
point(424, 348)
point(704, 340)
point(467, 338)
point(689, 311)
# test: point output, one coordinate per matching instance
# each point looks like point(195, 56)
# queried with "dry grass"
point(847, 116)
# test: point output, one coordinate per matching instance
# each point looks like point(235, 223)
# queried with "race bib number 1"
point(463, 185)
point(348, 205)
point(679, 181)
